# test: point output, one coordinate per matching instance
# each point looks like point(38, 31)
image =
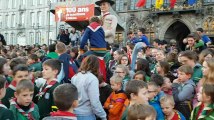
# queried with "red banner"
point(76, 13)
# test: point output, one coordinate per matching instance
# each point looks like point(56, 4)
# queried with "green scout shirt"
point(18, 116)
point(5, 114)
point(46, 102)
point(209, 116)
point(9, 94)
point(36, 67)
point(197, 73)
point(52, 55)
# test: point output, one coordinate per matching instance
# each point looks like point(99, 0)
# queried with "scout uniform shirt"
point(31, 113)
point(45, 98)
point(5, 114)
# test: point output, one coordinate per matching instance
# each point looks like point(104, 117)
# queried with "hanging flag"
point(141, 3)
point(158, 4)
point(172, 3)
point(191, 2)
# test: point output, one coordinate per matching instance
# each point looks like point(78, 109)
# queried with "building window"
point(38, 37)
point(22, 2)
point(22, 19)
point(150, 3)
point(6, 37)
point(13, 3)
point(32, 22)
point(6, 20)
point(39, 2)
point(12, 38)
point(208, 1)
point(133, 5)
point(31, 34)
point(150, 29)
point(119, 5)
point(208, 26)
point(0, 21)
point(39, 18)
point(13, 21)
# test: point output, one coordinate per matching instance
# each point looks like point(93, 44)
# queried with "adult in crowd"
point(204, 37)
point(87, 84)
point(2, 40)
point(109, 22)
point(74, 37)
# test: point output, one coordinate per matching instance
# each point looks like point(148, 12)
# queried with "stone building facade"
point(165, 23)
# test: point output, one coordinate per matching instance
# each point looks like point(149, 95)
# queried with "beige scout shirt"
point(109, 26)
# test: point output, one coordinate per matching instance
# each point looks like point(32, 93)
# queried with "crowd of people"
point(100, 80)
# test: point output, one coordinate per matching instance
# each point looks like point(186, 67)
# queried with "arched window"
point(208, 26)
point(119, 5)
point(150, 29)
point(133, 27)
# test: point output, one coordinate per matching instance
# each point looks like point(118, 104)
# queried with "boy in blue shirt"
point(183, 90)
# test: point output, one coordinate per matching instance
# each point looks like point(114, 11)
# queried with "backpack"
point(73, 69)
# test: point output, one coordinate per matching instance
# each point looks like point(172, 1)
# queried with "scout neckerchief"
point(13, 85)
point(24, 113)
point(201, 107)
point(205, 112)
point(63, 114)
point(1, 105)
point(47, 87)
point(103, 16)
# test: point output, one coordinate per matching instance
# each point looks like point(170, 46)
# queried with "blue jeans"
point(90, 117)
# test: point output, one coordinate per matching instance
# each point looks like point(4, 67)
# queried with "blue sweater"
point(156, 105)
point(143, 38)
point(95, 34)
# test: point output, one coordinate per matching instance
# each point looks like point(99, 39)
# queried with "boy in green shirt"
point(51, 69)
point(5, 114)
point(137, 94)
point(20, 72)
point(33, 63)
point(22, 106)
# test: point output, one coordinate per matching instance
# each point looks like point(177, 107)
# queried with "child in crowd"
point(167, 105)
point(123, 72)
point(158, 79)
point(154, 99)
point(66, 99)
point(5, 114)
point(140, 75)
point(22, 106)
point(51, 69)
point(205, 109)
point(183, 90)
point(141, 112)
point(167, 86)
point(20, 72)
point(65, 59)
point(115, 101)
point(137, 94)
point(104, 89)
point(5, 70)
point(162, 68)
point(95, 34)
point(34, 64)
